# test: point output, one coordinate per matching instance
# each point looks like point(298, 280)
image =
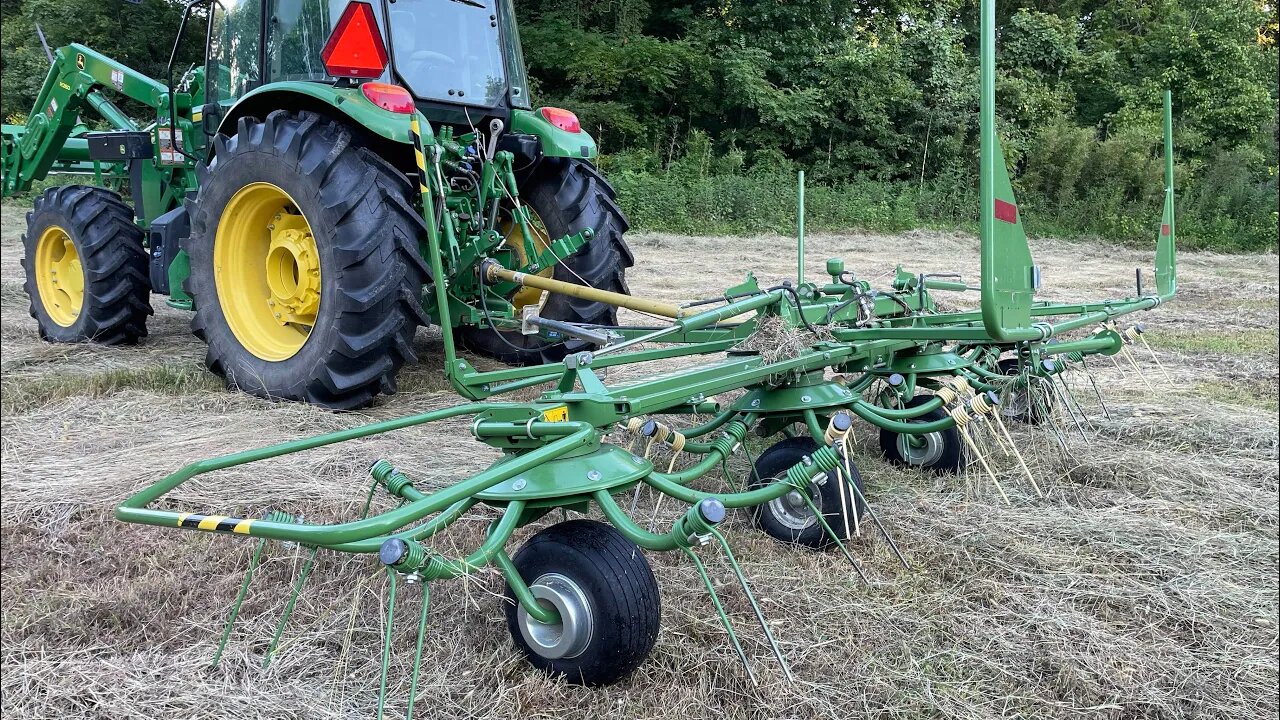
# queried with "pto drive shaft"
point(493, 271)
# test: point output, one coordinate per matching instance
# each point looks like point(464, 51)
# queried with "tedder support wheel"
point(940, 451)
point(304, 263)
point(1018, 401)
point(566, 196)
point(789, 518)
point(601, 585)
point(86, 268)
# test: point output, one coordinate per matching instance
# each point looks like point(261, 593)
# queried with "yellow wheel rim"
point(515, 241)
point(59, 276)
point(266, 267)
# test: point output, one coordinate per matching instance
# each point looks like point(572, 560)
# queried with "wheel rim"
point(266, 267)
point(790, 509)
point(567, 638)
point(59, 276)
point(924, 454)
point(513, 239)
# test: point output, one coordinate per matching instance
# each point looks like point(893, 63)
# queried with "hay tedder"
point(800, 361)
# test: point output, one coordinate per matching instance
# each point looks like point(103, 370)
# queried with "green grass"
point(1242, 342)
point(23, 394)
point(1259, 394)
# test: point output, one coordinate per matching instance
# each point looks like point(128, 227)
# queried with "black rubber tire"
point(626, 609)
point(950, 449)
point(367, 235)
point(1034, 413)
point(773, 462)
point(570, 196)
point(117, 289)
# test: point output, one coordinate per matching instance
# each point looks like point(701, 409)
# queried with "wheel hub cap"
point(924, 451)
point(59, 276)
point(792, 511)
point(567, 638)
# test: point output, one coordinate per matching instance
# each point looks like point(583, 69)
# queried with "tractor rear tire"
point(86, 269)
point(354, 246)
point(607, 597)
point(569, 196)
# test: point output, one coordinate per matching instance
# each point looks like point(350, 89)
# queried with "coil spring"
point(733, 434)
point(279, 516)
point(391, 478)
point(823, 459)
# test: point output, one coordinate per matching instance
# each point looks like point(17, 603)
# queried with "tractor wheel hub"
point(293, 271)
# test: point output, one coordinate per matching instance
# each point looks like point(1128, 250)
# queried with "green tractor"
point(276, 193)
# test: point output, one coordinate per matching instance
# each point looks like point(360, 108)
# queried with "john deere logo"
point(80, 60)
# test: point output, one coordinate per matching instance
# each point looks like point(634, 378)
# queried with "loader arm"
point(80, 78)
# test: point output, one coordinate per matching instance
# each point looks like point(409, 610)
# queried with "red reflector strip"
point(1006, 211)
point(1164, 230)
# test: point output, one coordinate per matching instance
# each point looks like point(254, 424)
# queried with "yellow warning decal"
point(556, 414)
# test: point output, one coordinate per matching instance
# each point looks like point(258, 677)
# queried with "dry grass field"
point(1143, 585)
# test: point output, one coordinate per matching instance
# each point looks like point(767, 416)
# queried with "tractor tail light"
point(562, 119)
point(355, 48)
point(388, 97)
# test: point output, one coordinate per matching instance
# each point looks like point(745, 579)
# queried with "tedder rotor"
point(581, 600)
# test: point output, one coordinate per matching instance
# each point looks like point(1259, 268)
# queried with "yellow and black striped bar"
point(418, 154)
point(214, 523)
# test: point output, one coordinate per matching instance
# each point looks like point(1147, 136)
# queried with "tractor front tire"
point(304, 263)
point(568, 196)
point(86, 269)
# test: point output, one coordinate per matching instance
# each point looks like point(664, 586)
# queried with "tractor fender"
point(554, 141)
point(345, 104)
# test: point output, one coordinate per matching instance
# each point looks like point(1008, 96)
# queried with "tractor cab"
point(459, 60)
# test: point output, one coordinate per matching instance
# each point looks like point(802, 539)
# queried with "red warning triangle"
point(355, 47)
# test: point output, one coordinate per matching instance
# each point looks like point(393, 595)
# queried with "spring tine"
point(847, 477)
point(1116, 362)
point(235, 606)
point(876, 519)
point(1075, 402)
point(1057, 392)
point(288, 607)
point(368, 500)
point(751, 600)
point(1141, 375)
point(1045, 413)
point(964, 433)
point(834, 538)
point(1096, 392)
point(417, 650)
point(724, 619)
point(1018, 455)
point(844, 506)
point(1155, 357)
point(386, 642)
point(635, 498)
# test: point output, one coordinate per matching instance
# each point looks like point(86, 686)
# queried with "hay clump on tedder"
point(582, 601)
